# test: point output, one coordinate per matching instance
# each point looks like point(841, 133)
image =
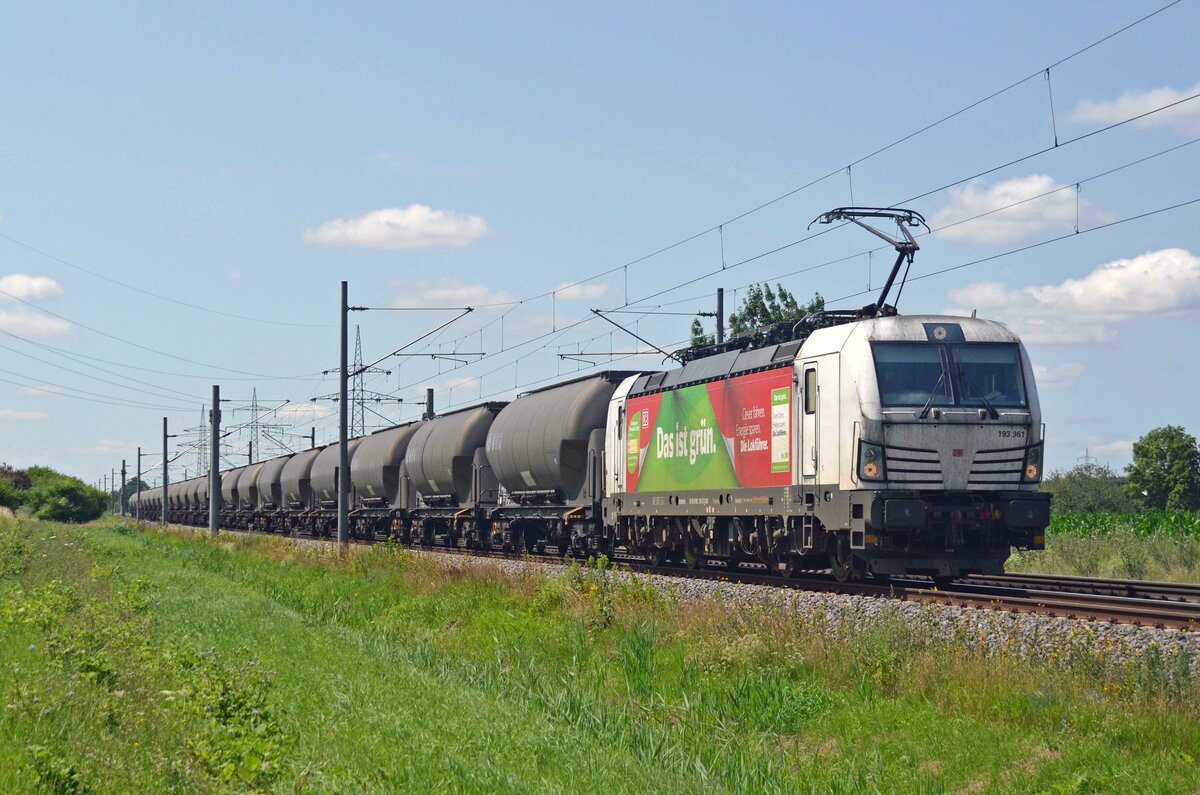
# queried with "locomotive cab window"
point(989, 374)
point(985, 374)
point(913, 373)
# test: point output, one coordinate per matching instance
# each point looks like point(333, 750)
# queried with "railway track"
point(1141, 589)
point(1161, 605)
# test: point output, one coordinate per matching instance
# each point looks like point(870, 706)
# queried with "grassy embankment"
point(136, 661)
point(1154, 545)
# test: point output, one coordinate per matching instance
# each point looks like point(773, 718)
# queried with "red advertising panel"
point(733, 433)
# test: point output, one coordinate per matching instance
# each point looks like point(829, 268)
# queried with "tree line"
point(1163, 476)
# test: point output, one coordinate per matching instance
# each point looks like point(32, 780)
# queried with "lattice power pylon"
point(359, 395)
point(358, 391)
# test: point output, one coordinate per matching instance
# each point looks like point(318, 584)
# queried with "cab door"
point(809, 424)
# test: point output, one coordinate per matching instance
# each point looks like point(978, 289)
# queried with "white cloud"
point(41, 390)
point(1121, 446)
point(1184, 118)
point(109, 447)
point(305, 411)
point(23, 322)
point(234, 277)
point(451, 292)
point(414, 226)
point(1054, 212)
point(576, 292)
point(29, 324)
point(1085, 310)
point(22, 416)
point(1059, 375)
point(29, 288)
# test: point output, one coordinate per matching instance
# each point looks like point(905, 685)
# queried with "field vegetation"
point(138, 661)
point(1144, 545)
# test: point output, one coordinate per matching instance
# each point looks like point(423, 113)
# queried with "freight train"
point(863, 442)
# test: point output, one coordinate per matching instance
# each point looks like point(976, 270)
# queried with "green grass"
point(132, 660)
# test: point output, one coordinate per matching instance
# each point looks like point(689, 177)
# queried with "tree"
point(762, 306)
point(62, 498)
point(1165, 473)
point(1090, 488)
point(13, 482)
point(18, 477)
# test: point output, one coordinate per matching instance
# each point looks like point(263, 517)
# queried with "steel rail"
point(1143, 589)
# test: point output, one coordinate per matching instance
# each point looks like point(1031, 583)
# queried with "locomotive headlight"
point(870, 461)
point(1033, 463)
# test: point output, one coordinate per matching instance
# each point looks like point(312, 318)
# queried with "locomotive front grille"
point(909, 466)
point(1002, 467)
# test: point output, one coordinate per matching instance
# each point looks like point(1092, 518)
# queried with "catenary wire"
point(153, 294)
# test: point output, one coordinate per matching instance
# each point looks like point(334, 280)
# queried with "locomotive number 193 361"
point(1011, 433)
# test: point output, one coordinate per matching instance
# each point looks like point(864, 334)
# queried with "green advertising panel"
point(687, 449)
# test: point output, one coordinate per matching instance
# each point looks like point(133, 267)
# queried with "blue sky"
point(245, 158)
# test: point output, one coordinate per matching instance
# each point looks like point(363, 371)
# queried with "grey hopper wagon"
point(198, 494)
point(378, 470)
point(270, 482)
point(296, 480)
point(544, 445)
point(440, 457)
point(176, 492)
point(229, 480)
point(247, 488)
point(186, 488)
point(323, 478)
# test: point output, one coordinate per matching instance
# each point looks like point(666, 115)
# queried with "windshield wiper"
point(968, 387)
point(928, 403)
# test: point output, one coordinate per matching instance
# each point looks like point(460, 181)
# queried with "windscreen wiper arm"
point(928, 403)
point(968, 387)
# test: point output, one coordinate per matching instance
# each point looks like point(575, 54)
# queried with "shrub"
point(62, 498)
point(1087, 487)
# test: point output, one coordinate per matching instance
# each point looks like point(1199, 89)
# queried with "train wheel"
point(845, 567)
point(693, 558)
